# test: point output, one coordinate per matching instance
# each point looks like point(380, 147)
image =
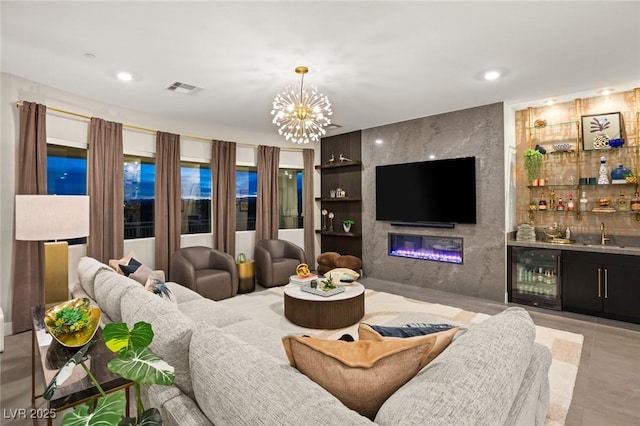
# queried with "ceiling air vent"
point(333, 126)
point(184, 88)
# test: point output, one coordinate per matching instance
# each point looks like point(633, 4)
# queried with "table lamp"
point(51, 218)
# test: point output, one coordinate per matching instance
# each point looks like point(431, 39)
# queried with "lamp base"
point(56, 272)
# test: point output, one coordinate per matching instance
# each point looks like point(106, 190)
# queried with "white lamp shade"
point(51, 217)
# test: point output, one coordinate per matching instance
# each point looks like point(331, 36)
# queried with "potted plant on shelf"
point(533, 163)
point(346, 224)
point(135, 362)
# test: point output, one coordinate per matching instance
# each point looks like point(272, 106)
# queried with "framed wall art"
point(598, 129)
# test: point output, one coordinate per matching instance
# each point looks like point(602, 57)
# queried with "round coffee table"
point(312, 311)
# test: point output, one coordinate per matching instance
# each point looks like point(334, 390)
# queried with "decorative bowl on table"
point(73, 323)
point(603, 202)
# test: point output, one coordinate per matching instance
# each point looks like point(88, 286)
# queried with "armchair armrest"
point(181, 271)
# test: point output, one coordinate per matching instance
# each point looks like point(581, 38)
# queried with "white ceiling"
point(379, 62)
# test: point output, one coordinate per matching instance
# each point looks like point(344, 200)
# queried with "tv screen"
point(441, 191)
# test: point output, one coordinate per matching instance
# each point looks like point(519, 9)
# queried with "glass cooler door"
point(535, 277)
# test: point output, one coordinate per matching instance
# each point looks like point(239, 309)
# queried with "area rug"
point(389, 309)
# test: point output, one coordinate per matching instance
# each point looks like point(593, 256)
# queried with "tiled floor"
point(607, 390)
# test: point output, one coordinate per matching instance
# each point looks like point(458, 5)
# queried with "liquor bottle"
point(635, 202)
point(622, 203)
point(552, 200)
point(542, 205)
point(584, 202)
point(570, 204)
point(560, 206)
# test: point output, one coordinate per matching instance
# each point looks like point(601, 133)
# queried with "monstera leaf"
point(150, 417)
point(142, 366)
point(120, 339)
point(108, 411)
point(65, 372)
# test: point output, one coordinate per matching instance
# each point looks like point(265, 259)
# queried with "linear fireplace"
point(425, 247)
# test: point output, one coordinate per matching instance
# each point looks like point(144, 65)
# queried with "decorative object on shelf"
point(618, 175)
point(301, 115)
point(570, 203)
point(73, 323)
point(332, 193)
point(584, 202)
point(540, 122)
point(331, 216)
point(635, 202)
point(603, 205)
point(526, 232)
point(599, 129)
point(603, 179)
point(616, 143)
point(540, 149)
point(533, 206)
point(332, 159)
point(346, 224)
point(532, 162)
point(631, 177)
point(340, 193)
point(563, 147)
point(343, 158)
point(324, 219)
point(241, 258)
point(542, 205)
point(622, 203)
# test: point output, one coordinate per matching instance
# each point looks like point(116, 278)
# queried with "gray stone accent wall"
point(475, 132)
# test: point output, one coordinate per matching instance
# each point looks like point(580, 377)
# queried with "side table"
point(246, 277)
point(50, 356)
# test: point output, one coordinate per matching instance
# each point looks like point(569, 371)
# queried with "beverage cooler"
point(534, 277)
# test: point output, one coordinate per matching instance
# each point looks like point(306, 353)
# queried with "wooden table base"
point(329, 314)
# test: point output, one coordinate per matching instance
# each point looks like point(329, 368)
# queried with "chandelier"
point(301, 115)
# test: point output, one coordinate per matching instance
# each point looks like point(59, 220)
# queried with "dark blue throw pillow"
point(131, 267)
point(410, 330)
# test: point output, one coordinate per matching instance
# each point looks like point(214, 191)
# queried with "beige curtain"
point(106, 190)
point(308, 157)
point(31, 179)
point(267, 203)
point(223, 197)
point(168, 199)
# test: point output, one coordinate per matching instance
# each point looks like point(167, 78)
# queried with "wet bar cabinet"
point(534, 278)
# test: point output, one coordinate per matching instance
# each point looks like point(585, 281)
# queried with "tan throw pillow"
point(361, 374)
point(443, 338)
point(115, 263)
point(143, 273)
point(342, 275)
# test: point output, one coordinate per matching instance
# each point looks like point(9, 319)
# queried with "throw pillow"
point(130, 267)
point(327, 258)
point(115, 263)
point(143, 273)
point(348, 261)
point(443, 339)
point(406, 330)
point(159, 287)
point(344, 275)
point(361, 374)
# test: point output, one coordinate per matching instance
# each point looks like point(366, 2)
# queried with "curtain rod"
point(146, 129)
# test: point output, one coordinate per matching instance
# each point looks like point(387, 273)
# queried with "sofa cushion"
point(258, 335)
point(182, 294)
point(328, 258)
point(171, 328)
point(237, 384)
point(110, 289)
point(477, 377)
point(143, 273)
point(361, 374)
point(88, 267)
point(210, 312)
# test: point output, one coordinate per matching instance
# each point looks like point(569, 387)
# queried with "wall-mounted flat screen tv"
point(440, 191)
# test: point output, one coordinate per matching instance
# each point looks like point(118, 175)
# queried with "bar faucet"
point(603, 238)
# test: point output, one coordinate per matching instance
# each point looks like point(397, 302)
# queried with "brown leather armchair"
point(276, 261)
point(211, 273)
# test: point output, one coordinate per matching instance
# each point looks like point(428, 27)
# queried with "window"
point(67, 174)
point(139, 181)
point(290, 190)
point(246, 194)
point(195, 180)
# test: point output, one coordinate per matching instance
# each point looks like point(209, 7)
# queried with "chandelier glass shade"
point(301, 114)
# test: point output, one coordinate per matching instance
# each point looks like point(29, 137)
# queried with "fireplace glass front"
point(425, 247)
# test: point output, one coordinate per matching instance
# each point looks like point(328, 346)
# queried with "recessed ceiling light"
point(432, 157)
point(379, 141)
point(491, 75)
point(125, 76)
point(606, 92)
point(549, 102)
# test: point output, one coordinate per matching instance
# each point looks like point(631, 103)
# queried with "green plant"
point(348, 222)
point(135, 362)
point(328, 284)
point(533, 163)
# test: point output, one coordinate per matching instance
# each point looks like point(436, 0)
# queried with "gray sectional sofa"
point(233, 370)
